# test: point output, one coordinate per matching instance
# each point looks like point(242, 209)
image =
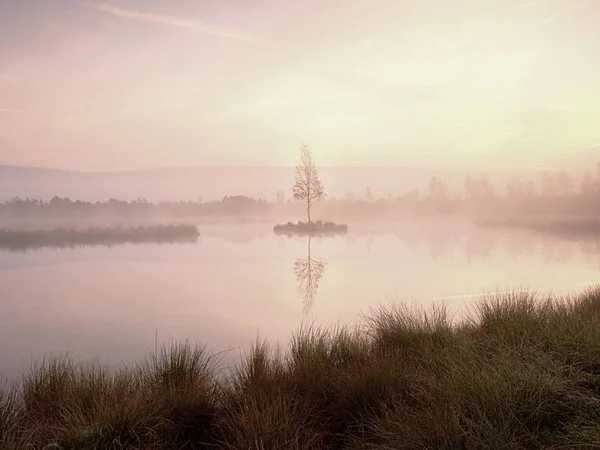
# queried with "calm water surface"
point(239, 283)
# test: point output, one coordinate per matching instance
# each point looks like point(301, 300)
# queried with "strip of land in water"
point(15, 240)
point(521, 372)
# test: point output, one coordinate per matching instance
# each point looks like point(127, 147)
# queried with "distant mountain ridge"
point(215, 182)
point(206, 182)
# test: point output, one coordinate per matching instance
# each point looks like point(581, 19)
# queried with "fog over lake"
point(240, 282)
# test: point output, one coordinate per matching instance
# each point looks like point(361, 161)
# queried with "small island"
point(311, 228)
point(309, 188)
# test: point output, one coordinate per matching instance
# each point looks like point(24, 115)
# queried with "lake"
point(241, 282)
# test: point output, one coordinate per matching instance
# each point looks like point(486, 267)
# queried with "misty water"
point(237, 283)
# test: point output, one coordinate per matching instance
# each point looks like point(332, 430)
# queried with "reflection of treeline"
point(569, 226)
point(23, 240)
point(553, 193)
point(472, 244)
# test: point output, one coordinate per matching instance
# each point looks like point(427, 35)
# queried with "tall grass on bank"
point(15, 240)
point(521, 372)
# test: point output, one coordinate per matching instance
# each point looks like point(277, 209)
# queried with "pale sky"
point(132, 84)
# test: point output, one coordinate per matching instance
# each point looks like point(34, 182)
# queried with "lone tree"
point(308, 186)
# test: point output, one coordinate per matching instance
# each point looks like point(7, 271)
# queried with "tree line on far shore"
point(557, 193)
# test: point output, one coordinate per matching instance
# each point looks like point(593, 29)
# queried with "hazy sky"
point(128, 84)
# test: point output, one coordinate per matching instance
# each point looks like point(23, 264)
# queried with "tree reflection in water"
point(309, 272)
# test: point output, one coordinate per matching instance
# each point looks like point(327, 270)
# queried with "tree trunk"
point(308, 203)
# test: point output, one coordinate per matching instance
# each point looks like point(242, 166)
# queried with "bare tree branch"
point(307, 186)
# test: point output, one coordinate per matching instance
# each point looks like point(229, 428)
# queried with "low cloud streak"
point(15, 77)
point(169, 21)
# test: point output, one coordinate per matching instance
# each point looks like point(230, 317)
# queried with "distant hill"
point(213, 183)
point(191, 183)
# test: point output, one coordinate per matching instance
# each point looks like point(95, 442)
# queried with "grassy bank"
point(520, 373)
point(30, 239)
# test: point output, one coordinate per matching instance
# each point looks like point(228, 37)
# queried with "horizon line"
point(203, 166)
point(242, 166)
